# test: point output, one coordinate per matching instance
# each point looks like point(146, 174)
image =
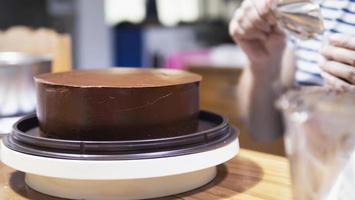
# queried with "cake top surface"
point(119, 78)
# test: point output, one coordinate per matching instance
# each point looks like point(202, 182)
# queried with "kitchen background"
point(181, 34)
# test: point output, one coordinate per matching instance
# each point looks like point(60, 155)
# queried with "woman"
point(274, 63)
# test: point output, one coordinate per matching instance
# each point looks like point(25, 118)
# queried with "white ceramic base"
point(117, 169)
point(120, 189)
point(119, 179)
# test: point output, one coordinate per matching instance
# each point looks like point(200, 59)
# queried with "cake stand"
point(114, 170)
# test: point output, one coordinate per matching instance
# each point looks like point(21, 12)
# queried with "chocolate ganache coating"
point(117, 104)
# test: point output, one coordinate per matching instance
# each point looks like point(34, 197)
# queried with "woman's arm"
point(254, 28)
point(257, 93)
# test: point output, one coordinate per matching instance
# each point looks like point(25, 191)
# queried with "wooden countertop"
point(249, 176)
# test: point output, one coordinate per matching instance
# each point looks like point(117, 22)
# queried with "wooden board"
point(249, 176)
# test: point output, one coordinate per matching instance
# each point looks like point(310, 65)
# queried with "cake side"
point(108, 113)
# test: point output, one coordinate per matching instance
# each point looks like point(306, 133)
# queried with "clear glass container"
point(320, 142)
point(301, 18)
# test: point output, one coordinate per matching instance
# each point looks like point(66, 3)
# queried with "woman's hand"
point(254, 28)
point(339, 67)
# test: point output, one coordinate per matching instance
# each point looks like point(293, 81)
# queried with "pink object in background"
point(179, 60)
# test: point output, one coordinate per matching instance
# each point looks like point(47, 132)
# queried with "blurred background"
point(179, 34)
point(140, 33)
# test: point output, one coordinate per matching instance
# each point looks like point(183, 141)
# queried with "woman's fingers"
point(343, 41)
point(334, 82)
point(339, 54)
point(239, 31)
point(264, 9)
point(259, 22)
point(340, 70)
point(247, 22)
point(252, 27)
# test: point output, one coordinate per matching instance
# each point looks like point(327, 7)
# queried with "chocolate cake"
point(117, 104)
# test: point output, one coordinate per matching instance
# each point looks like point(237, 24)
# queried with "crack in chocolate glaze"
point(150, 103)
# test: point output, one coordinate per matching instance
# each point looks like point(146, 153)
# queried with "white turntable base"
point(121, 189)
point(119, 179)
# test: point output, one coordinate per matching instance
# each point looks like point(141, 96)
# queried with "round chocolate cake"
point(117, 104)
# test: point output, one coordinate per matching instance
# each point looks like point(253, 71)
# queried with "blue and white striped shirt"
point(339, 17)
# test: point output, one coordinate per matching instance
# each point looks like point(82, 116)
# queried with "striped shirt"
point(339, 17)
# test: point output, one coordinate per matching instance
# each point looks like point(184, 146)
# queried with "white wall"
point(92, 36)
